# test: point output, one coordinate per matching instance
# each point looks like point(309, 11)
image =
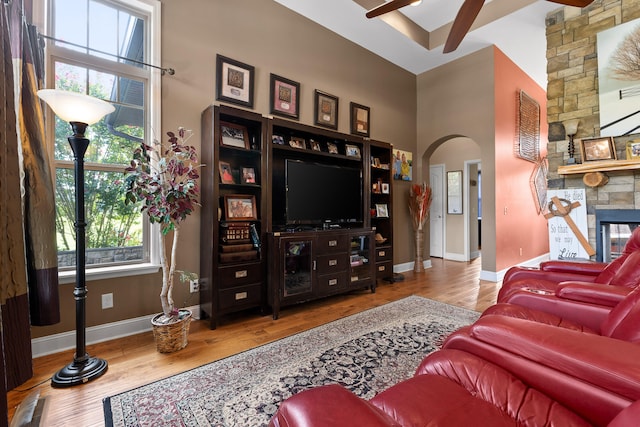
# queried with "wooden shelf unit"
point(599, 166)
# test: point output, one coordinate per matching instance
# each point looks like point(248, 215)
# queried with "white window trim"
point(152, 9)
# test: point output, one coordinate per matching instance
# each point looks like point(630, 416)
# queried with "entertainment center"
point(290, 212)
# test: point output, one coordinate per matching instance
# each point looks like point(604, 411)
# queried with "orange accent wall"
point(518, 224)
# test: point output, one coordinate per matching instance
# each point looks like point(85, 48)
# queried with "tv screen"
point(320, 193)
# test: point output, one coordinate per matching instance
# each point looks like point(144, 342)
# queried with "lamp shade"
point(74, 106)
point(571, 126)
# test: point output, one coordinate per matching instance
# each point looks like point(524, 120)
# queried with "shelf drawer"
point(332, 243)
point(383, 254)
point(239, 297)
point(332, 263)
point(329, 283)
point(237, 275)
point(384, 269)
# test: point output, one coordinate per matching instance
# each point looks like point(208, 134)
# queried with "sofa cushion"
point(624, 320)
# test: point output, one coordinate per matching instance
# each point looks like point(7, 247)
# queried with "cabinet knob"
point(381, 268)
point(333, 282)
point(241, 295)
point(333, 262)
point(381, 253)
point(241, 273)
point(333, 243)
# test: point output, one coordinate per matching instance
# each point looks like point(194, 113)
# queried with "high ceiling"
point(413, 37)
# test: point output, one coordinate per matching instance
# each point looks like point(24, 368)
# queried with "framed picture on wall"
point(234, 81)
point(360, 116)
point(285, 97)
point(326, 110)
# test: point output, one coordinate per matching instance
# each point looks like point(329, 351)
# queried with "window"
point(98, 47)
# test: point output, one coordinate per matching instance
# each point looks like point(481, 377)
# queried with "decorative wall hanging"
point(234, 81)
point(527, 144)
point(538, 182)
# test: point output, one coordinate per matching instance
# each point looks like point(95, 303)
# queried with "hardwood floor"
point(133, 361)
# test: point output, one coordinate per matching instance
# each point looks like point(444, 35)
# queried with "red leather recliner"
point(450, 388)
point(594, 376)
point(622, 322)
point(589, 282)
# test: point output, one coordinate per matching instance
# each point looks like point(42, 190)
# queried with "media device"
point(319, 194)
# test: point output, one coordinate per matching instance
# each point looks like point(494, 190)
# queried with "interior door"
point(436, 215)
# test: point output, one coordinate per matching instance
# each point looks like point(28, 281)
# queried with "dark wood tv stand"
point(315, 264)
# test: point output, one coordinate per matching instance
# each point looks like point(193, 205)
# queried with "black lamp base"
point(79, 372)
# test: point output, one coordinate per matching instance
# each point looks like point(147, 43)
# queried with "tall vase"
point(418, 265)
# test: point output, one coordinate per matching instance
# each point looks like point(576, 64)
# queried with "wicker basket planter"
point(172, 336)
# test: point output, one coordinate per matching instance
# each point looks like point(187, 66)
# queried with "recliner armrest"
point(592, 293)
point(589, 268)
point(606, 362)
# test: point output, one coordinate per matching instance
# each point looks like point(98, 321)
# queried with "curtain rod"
point(169, 71)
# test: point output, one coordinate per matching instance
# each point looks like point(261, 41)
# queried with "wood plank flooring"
point(133, 361)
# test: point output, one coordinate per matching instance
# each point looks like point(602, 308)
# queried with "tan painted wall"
point(274, 40)
point(456, 99)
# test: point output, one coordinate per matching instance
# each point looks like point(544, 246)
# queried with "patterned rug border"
point(324, 330)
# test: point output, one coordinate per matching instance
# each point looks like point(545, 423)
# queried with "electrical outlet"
point(107, 301)
point(194, 286)
point(520, 251)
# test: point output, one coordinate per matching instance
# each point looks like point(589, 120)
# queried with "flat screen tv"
point(318, 194)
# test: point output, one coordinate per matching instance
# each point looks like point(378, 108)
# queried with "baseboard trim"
point(493, 276)
point(67, 340)
point(408, 266)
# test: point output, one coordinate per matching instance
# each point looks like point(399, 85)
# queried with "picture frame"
point(633, 150)
point(226, 175)
point(284, 98)
point(332, 148)
point(277, 139)
point(234, 81)
point(382, 211)
point(594, 149)
point(360, 119)
point(240, 207)
point(385, 187)
point(315, 145)
point(233, 135)
point(248, 175)
point(454, 192)
point(297, 142)
point(352, 150)
point(325, 109)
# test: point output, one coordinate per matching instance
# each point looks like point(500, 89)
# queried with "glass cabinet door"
point(360, 258)
point(298, 267)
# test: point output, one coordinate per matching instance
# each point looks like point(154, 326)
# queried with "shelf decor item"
point(233, 135)
point(420, 197)
point(240, 207)
point(165, 181)
point(234, 81)
point(598, 149)
point(633, 150)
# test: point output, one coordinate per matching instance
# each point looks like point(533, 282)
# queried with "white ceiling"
point(516, 27)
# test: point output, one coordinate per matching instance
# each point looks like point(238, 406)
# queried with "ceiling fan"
point(464, 19)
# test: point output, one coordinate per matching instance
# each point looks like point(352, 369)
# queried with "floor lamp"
point(80, 111)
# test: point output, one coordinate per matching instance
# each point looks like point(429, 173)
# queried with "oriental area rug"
point(367, 352)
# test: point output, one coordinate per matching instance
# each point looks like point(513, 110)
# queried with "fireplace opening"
point(613, 230)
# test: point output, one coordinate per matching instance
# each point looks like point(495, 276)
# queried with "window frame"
point(150, 10)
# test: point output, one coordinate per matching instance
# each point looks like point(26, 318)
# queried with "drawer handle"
point(381, 268)
point(333, 282)
point(333, 243)
point(241, 273)
point(333, 262)
point(241, 295)
point(381, 253)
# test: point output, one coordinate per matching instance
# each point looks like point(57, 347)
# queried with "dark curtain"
point(16, 342)
point(39, 192)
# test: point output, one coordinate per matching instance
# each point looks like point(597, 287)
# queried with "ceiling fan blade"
point(387, 7)
point(576, 3)
point(465, 17)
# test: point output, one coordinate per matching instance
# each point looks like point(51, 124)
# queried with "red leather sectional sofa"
point(548, 354)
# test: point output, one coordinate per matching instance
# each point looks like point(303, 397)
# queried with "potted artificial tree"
point(165, 181)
